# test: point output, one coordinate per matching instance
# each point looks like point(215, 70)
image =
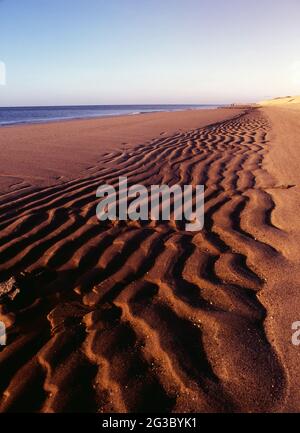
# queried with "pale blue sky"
point(148, 51)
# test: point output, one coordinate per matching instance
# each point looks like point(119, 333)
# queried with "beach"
point(144, 316)
point(42, 154)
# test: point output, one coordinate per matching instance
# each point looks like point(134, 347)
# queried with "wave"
point(10, 116)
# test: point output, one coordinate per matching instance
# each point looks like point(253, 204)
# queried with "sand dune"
point(283, 102)
point(146, 316)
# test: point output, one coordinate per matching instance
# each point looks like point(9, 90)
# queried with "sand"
point(290, 102)
point(282, 293)
point(132, 316)
point(45, 154)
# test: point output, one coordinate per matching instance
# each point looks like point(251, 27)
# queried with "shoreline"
point(100, 116)
point(42, 154)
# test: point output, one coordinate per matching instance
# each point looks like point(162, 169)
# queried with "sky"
point(64, 52)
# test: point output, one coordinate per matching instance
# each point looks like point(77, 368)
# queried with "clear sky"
point(148, 51)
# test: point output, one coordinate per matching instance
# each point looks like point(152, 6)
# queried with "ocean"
point(23, 115)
